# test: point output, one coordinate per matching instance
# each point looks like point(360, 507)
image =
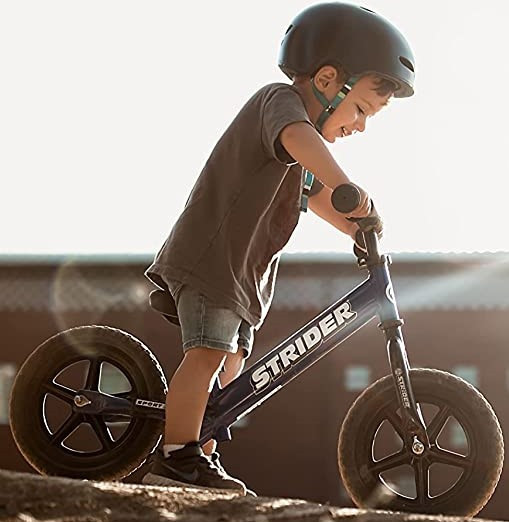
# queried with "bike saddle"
point(162, 301)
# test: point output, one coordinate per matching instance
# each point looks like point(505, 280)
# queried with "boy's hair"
point(384, 86)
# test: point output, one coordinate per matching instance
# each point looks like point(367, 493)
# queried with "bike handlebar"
point(345, 199)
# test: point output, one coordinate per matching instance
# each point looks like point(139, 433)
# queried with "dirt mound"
point(32, 498)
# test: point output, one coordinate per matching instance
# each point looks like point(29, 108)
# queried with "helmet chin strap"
point(330, 106)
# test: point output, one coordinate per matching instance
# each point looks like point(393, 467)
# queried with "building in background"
point(455, 309)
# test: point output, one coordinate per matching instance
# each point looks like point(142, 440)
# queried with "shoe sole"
point(157, 480)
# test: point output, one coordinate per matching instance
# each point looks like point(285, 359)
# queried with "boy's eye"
point(360, 110)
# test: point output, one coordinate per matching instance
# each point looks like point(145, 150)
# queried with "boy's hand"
point(375, 222)
point(364, 207)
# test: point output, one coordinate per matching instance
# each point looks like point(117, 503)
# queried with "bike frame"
point(372, 298)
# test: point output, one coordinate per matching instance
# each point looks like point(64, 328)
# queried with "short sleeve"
point(281, 107)
point(316, 187)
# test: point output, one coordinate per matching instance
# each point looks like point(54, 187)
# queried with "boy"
point(219, 262)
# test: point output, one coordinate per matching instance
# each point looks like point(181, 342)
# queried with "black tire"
point(473, 472)
point(35, 386)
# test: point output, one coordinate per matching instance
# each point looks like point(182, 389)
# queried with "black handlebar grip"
point(346, 198)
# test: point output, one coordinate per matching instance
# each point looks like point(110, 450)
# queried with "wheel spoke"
point(67, 427)
point(395, 421)
point(437, 424)
point(59, 391)
point(102, 432)
point(94, 374)
point(442, 456)
point(390, 462)
point(421, 471)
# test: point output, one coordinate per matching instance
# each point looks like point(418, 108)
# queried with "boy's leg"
point(186, 401)
point(188, 392)
point(233, 366)
point(208, 333)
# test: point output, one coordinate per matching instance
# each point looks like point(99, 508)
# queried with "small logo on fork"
point(389, 292)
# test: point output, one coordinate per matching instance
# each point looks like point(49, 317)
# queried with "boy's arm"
point(321, 205)
point(306, 147)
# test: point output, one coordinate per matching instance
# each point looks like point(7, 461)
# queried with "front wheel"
point(457, 475)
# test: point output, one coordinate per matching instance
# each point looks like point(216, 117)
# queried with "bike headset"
point(355, 37)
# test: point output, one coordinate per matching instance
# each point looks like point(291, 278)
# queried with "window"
point(357, 377)
point(468, 373)
point(7, 373)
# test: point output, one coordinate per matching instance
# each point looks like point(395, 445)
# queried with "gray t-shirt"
point(241, 211)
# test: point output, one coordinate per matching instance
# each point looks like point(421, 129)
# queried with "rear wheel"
point(456, 476)
point(58, 440)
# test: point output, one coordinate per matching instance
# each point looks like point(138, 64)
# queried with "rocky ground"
point(32, 498)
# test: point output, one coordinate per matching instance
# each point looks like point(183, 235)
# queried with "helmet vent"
point(407, 63)
point(289, 29)
point(368, 10)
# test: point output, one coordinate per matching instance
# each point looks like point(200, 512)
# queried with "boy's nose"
point(360, 125)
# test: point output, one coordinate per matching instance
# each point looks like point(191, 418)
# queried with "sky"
point(110, 108)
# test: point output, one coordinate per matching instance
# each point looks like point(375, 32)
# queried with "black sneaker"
point(214, 457)
point(189, 466)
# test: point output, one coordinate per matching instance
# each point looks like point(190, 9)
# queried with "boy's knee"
point(207, 359)
point(233, 367)
point(235, 360)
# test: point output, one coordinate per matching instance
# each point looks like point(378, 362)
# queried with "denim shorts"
point(204, 323)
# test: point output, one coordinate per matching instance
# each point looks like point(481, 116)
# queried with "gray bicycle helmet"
point(353, 36)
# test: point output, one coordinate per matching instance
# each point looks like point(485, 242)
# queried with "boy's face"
point(361, 103)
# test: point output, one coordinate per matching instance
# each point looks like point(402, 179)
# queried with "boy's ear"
point(324, 76)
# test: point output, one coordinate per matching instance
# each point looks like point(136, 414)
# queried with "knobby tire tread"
point(39, 360)
point(475, 497)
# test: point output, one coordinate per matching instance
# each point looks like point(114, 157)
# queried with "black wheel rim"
point(58, 434)
point(420, 481)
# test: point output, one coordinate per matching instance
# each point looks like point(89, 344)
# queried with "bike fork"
point(414, 428)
